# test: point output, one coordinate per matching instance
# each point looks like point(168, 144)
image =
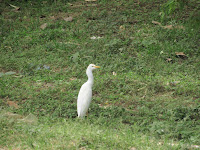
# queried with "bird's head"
point(92, 67)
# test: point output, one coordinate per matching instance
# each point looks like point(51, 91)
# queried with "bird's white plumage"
point(85, 93)
point(84, 100)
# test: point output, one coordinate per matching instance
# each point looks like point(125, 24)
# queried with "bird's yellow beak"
point(97, 67)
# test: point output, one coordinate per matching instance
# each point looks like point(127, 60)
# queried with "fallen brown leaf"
point(68, 19)
point(180, 55)
point(43, 26)
point(90, 0)
point(173, 27)
point(12, 104)
point(157, 23)
point(169, 60)
point(168, 27)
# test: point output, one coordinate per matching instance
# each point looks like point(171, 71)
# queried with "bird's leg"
point(87, 113)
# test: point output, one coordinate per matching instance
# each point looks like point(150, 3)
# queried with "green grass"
point(149, 101)
point(77, 134)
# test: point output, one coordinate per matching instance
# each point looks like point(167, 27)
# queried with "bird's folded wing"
point(84, 98)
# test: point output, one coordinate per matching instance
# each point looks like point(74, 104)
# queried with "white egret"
point(85, 93)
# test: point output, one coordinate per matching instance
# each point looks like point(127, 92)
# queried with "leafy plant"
point(170, 6)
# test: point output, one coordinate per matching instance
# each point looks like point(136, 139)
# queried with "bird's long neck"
point(90, 77)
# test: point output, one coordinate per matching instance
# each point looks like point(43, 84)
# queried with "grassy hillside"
point(145, 96)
